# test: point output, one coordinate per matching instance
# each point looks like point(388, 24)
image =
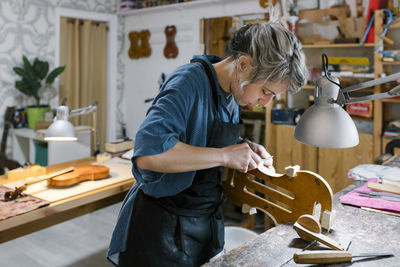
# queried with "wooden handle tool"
point(332, 256)
point(384, 187)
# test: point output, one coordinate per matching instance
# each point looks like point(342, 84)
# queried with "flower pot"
point(35, 114)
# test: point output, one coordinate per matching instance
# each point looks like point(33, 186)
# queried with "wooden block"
point(22, 173)
point(327, 220)
point(292, 170)
point(317, 14)
point(384, 187)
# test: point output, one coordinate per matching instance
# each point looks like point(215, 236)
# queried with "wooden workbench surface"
point(64, 209)
point(369, 232)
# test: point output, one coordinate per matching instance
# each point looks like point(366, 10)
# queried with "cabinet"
point(384, 110)
point(29, 145)
point(333, 164)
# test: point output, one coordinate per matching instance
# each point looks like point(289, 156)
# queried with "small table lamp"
point(63, 130)
point(326, 123)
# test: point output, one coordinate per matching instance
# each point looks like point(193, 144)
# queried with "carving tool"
point(380, 195)
point(333, 256)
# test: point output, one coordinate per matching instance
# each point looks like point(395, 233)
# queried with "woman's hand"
point(241, 157)
point(262, 152)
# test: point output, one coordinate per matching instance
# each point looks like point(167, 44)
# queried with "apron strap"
point(210, 78)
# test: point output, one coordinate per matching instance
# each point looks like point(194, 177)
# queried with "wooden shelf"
point(391, 62)
point(177, 6)
point(368, 45)
point(391, 100)
point(309, 87)
point(254, 115)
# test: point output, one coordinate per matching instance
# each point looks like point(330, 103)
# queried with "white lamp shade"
point(329, 127)
point(61, 130)
point(326, 124)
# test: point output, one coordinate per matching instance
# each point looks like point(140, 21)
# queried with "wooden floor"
point(80, 242)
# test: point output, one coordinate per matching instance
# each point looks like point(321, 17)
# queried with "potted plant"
point(36, 80)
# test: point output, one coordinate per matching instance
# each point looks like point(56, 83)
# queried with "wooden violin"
point(170, 49)
point(79, 174)
point(11, 195)
point(66, 177)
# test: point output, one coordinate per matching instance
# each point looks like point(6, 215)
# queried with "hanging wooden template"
point(134, 47)
point(170, 49)
point(139, 46)
point(145, 49)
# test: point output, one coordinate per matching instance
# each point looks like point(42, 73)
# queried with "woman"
point(172, 216)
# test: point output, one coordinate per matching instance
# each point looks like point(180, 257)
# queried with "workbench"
point(64, 209)
point(369, 232)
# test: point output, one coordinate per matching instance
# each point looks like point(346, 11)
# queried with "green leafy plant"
point(35, 76)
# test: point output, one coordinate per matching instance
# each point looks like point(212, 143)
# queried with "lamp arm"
point(82, 111)
point(363, 85)
point(344, 98)
point(86, 110)
point(393, 92)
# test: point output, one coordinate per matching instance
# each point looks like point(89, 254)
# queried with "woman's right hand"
point(240, 157)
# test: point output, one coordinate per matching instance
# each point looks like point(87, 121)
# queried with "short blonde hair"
point(275, 51)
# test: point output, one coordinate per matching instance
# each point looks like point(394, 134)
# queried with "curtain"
point(83, 51)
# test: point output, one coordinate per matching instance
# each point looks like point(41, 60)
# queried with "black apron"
point(186, 229)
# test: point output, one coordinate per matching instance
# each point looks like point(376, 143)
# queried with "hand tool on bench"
point(379, 195)
point(333, 256)
point(384, 187)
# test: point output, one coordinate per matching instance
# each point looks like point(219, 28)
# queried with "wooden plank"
point(384, 187)
point(334, 164)
point(378, 69)
point(288, 151)
point(338, 45)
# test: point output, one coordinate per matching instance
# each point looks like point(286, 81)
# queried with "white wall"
point(141, 75)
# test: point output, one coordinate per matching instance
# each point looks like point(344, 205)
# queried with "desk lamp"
point(326, 123)
point(63, 130)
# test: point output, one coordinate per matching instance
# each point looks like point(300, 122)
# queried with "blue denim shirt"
point(182, 111)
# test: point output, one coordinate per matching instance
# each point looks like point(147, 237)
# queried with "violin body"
point(170, 49)
point(79, 174)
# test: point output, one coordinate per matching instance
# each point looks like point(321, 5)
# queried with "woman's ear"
point(243, 63)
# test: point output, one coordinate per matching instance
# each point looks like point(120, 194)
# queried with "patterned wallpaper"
point(27, 28)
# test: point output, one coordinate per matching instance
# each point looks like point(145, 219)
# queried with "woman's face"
point(259, 92)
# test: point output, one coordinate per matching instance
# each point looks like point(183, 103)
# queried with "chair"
point(389, 152)
point(283, 197)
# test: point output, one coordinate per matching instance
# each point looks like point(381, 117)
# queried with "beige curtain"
point(83, 50)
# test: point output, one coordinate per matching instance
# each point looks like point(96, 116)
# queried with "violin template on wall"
point(139, 44)
point(170, 49)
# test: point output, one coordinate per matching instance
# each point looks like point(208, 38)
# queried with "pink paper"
point(355, 199)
